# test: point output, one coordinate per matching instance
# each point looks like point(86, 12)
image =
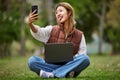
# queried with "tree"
point(101, 24)
point(10, 22)
point(46, 14)
point(113, 22)
point(49, 5)
point(8, 28)
point(23, 27)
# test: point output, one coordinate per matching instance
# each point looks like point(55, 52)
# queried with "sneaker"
point(45, 74)
point(71, 74)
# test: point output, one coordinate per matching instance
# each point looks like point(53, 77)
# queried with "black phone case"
point(35, 7)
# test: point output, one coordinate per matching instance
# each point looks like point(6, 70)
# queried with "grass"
point(101, 68)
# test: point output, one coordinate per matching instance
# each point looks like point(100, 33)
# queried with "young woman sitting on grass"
point(64, 31)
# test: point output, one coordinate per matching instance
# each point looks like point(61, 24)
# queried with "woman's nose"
point(58, 15)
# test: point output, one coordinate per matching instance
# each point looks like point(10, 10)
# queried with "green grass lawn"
point(101, 68)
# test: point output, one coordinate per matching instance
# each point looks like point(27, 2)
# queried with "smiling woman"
point(65, 15)
point(64, 31)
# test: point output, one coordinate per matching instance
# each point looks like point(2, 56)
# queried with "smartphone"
point(35, 7)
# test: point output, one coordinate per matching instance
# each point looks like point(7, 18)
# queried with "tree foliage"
point(87, 15)
point(9, 24)
point(113, 22)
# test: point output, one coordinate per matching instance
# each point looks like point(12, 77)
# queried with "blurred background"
point(99, 20)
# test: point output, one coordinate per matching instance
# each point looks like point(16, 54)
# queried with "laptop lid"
point(58, 52)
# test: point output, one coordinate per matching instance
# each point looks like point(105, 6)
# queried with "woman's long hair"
point(70, 11)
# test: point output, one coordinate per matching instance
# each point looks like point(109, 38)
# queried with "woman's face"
point(61, 14)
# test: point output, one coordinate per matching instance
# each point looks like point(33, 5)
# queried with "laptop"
point(58, 53)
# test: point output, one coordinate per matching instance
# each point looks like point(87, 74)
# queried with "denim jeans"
point(78, 64)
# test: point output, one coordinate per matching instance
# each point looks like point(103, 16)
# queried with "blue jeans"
point(78, 64)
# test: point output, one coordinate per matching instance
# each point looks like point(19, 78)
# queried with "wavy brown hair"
point(70, 11)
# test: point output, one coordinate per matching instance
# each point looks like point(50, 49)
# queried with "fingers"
point(31, 20)
point(34, 12)
point(32, 17)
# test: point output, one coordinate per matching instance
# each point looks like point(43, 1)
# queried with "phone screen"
point(35, 7)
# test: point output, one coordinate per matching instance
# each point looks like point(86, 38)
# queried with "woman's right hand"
point(32, 17)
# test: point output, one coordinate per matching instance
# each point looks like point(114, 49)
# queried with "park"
point(98, 20)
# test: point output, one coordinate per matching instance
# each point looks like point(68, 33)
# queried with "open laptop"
point(58, 53)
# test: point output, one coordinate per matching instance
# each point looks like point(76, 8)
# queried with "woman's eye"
point(60, 10)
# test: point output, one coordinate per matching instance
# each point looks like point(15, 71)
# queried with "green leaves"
point(9, 28)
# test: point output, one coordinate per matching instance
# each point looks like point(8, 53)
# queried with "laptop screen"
point(58, 52)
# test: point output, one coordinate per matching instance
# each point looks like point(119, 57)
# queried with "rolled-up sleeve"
point(42, 34)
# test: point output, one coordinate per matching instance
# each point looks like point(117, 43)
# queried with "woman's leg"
point(36, 64)
point(78, 64)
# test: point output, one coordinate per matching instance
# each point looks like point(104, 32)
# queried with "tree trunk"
point(1, 51)
point(23, 27)
point(7, 45)
point(49, 6)
point(103, 11)
point(116, 42)
point(0, 5)
point(8, 4)
point(7, 50)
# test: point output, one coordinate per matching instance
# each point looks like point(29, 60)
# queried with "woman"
point(65, 31)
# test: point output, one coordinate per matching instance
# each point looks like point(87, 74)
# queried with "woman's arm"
point(82, 46)
point(32, 18)
point(42, 34)
point(33, 28)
